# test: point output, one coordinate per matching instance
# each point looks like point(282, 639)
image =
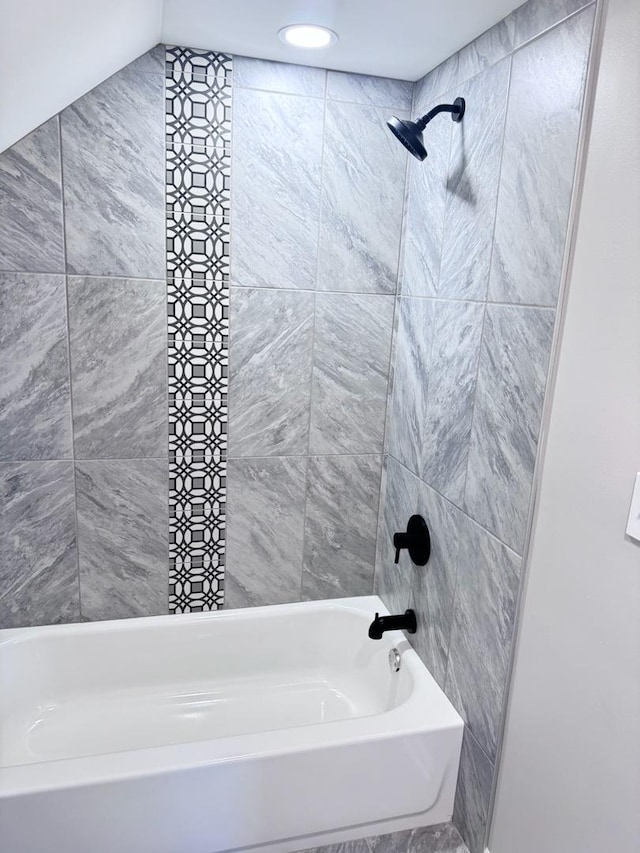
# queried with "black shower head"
point(410, 132)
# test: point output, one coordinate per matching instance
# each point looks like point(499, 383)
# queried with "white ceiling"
point(53, 52)
point(390, 38)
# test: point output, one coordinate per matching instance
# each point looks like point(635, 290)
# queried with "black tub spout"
point(405, 622)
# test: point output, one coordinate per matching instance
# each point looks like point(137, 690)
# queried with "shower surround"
point(486, 230)
point(261, 264)
point(144, 468)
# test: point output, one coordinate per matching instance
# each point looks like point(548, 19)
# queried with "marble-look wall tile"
point(275, 206)
point(433, 85)
point(433, 585)
point(249, 73)
point(269, 372)
point(445, 430)
point(265, 520)
point(118, 331)
point(438, 345)
point(340, 526)
point(424, 217)
point(472, 185)
point(411, 381)
point(372, 91)
point(362, 201)
point(113, 161)
point(31, 236)
point(535, 16)
point(35, 412)
point(351, 354)
point(471, 809)
point(487, 590)
point(399, 501)
point(540, 147)
point(489, 48)
point(441, 838)
point(151, 62)
point(511, 383)
point(39, 566)
point(123, 537)
point(359, 846)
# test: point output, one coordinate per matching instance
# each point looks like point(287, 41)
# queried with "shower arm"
point(456, 109)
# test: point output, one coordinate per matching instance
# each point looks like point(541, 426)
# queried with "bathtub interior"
point(83, 690)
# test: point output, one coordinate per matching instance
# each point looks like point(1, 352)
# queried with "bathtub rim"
point(408, 718)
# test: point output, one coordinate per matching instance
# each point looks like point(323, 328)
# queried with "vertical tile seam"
point(165, 149)
point(485, 302)
point(548, 29)
point(224, 467)
point(167, 217)
point(386, 455)
point(492, 765)
point(388, 408)
point(313, 333)
point(420, 450)
point(587, 106)
point(68, 329)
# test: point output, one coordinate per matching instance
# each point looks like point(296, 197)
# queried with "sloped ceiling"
point(51, 53)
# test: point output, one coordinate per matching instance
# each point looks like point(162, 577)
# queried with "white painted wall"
point(570, 773)
point(53, 52)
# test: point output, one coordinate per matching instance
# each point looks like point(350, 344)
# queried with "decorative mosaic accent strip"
point(198, 181)
point(198, 165)
point(197, 64)
point(197, 245)
point(198, 113)
point(198, 308)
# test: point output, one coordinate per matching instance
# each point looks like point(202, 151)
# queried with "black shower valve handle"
point(400, 542)
point(416, 540)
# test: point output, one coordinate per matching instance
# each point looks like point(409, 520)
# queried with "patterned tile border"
point(198, 178)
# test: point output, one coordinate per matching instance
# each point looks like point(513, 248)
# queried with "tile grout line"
point(313, 333)
point(491, 258)
point(458, 508)
point(226, 350)
point(325, 97)
point(388, 409)
point(548, 29)
point(68, 323)
point(82, 459)
point(373, 294)
point(168, 326)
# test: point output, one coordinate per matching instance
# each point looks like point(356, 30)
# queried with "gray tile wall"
point(316, 223)
point(485, 234)
point(316, 257)
point(316, 242)
point(83, 328)
point(443, 838)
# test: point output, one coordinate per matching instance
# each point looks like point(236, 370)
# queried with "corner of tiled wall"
point(485, 234)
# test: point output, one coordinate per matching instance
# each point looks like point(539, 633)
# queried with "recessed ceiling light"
point(307, 35)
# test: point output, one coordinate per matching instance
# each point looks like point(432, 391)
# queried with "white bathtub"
point(282, 727)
